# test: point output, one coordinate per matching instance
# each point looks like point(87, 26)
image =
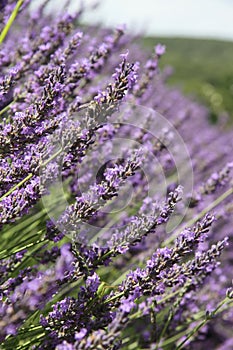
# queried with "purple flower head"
point(124, 56)
point(127, 305)
point(65, 346)
point(160, 49)
point(64, 264)
point(81, 334)
point(93, 283)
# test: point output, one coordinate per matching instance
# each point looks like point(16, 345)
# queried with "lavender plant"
point(115, 194)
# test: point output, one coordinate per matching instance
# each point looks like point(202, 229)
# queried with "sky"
point(196, 18)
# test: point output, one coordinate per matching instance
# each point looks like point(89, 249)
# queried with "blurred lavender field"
point(201, 68)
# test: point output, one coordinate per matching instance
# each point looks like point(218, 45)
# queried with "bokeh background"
point(198, 36)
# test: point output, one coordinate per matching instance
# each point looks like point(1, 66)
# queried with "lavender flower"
point(106, 273)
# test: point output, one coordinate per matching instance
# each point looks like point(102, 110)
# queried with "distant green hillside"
point(203, 68)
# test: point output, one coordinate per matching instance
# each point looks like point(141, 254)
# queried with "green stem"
point(10, 20)
point(6, 107)
point(16, 186)
point(169, 318)
point(202, 323)
point(29, 176)
point(115, 297)
point(200, 215)
point(23, 247)
point(168, 297)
